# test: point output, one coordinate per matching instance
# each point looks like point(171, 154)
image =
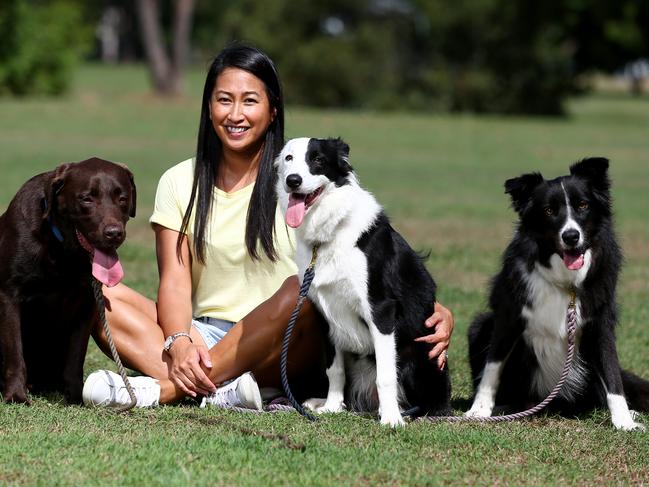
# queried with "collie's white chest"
point(339, 290)
point(546, 330)
point(339, 287)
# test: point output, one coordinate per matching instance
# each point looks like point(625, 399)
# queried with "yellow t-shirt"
point(230, 284)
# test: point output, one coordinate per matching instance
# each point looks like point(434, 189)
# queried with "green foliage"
point(40, 43)
point(505, 56)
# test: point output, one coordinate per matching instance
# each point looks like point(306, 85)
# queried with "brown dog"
point(61, 228)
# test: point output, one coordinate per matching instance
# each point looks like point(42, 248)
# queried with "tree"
point(166, 69)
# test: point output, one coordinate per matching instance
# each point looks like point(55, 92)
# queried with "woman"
point(227, 278)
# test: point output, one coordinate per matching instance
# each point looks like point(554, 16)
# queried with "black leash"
point(309, 273)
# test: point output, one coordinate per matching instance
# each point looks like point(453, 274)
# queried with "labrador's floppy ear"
point(131, 210)
point(54, 186)
point(520, 190)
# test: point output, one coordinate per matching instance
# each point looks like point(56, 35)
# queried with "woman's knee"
point(121, 300)
point(284, 300)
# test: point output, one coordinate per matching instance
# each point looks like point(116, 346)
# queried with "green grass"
point(441, 178)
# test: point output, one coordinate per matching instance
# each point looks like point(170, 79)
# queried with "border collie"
point(371, 287)
point(564, 241)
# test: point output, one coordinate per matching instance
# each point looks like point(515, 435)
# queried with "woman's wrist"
point(171, 339)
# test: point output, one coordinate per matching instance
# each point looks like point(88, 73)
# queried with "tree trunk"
point(166, 73)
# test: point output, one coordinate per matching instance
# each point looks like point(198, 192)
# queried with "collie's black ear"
point(595, 170)
point(520, 189)
point(342, 152)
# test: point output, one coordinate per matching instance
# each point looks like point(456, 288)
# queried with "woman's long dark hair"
point(260, 221)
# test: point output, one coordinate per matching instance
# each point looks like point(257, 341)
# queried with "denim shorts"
point(211, 329)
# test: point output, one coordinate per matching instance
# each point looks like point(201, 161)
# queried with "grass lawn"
point(440, 178)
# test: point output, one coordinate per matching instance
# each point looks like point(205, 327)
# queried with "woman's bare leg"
point(253, 344)
point(133, 322)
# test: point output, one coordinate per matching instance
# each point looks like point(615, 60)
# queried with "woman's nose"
point(236, 113)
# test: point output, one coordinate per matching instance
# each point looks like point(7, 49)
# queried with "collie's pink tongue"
point(106, 268)
point(573, 262)
point(296, 209)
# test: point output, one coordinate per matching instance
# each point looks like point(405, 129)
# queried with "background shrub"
point(40, 43)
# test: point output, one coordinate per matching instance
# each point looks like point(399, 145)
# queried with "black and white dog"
point(564, 241)
point(371, 287)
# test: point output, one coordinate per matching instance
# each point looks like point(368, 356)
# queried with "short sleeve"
point(169, 206)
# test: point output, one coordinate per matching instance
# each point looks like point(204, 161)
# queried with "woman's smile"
point(240, 111)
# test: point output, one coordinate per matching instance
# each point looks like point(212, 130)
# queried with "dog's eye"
point(288, 158)
point(86, 199)
point(318, 159)
point(548, 211)
point(583, 205)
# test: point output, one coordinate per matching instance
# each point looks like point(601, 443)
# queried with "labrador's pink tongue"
point(106, 268)
point(573, 262)
point(296, 209)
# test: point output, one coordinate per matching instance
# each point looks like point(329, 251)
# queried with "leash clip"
point(573, 298)
point(314, 256)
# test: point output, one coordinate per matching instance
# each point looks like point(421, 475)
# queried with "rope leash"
point(571, 322)
point(99, 298)
point(309, 273)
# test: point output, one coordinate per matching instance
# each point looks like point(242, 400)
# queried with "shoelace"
point(225, 398)
point(122, 396)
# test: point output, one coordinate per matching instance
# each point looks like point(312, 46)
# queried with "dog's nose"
point(570, 237)
point(114, 233)
point(293, 181)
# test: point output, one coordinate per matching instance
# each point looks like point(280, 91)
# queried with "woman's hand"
point(442, 322)
point(186, 368)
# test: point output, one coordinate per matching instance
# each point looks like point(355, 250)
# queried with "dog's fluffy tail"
point(636, 390)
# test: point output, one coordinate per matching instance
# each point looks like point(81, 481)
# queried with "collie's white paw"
point(331, 407)
point(628, 425)
point(393, 420)
point(314, 403)
point(479, 410)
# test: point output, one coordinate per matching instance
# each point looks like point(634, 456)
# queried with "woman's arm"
point(443, 323)
point(187, 360)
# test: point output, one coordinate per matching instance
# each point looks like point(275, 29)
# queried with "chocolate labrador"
point(61, 229)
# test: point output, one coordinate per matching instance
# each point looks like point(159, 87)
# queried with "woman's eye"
point(288, 158)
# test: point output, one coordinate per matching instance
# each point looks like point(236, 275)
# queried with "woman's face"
point(240, 111)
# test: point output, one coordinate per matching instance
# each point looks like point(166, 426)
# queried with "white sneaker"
point(107, 389)
point(242, 392)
